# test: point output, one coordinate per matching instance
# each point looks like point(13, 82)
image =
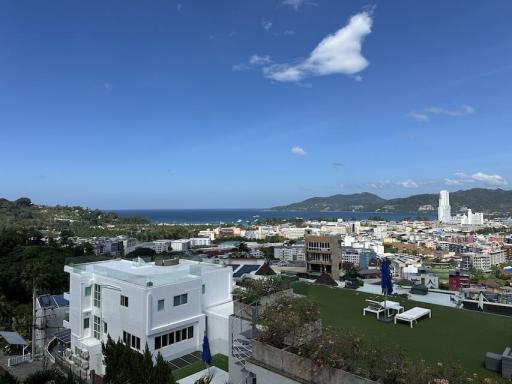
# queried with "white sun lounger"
point(413, 314)
point(374, 307)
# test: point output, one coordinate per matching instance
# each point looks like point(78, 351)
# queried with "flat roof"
point(141, 273)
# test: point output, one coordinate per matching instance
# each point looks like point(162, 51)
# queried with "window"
point(176, 336)
point(203, 288)
point(131, 340)
point(86, 323)
point(105, 327)
point(87, 291)
point(97, 295)
point(96, 327)
point(124, 301)
point(180, 299)
point(161, 305)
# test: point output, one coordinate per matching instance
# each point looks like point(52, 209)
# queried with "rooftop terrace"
point(142, 273)
point(450, 336)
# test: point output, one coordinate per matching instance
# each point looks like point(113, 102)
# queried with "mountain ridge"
point(478, 199)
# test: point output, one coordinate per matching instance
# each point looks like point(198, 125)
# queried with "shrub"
point(251, 290)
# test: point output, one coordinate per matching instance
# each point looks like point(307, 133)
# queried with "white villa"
point(166, 306)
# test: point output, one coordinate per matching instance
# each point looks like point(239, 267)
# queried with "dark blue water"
point(245, 216)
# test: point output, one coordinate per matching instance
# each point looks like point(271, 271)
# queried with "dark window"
point(105, 327)
point(138, 342)
point(190, 332)
point(158, 342)
point(184, 334)
point(184, 298)
point(164, 340)
point(178, 336)
point(133, 341)
point(124, 337)
point(124, 301)
point(86, 323)
point(171, 338)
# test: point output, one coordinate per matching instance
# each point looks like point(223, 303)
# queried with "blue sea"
point(249, 216)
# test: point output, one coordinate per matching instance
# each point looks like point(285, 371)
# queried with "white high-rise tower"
point(444, 212)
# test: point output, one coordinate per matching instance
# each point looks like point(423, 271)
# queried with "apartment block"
point(323, 254)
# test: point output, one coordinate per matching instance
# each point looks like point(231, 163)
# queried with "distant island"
point(479, 199)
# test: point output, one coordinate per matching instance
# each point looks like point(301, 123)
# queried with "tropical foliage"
point(251, 290)
point(124, 365)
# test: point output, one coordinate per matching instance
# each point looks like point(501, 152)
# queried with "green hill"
point(478, 199)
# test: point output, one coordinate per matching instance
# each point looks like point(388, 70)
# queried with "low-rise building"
point(163, 306)
point(290, 253)
point(458, 280)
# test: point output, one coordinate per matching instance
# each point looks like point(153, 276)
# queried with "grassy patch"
point(219, 361)
point(450, 336)
point(442, 274)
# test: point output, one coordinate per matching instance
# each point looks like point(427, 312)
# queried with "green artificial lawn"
point(450, 336)
point(219, 361)
point(442, 274)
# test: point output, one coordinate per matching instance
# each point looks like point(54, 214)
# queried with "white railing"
point(15, 360)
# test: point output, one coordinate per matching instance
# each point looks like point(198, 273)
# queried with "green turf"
point(451, 335)
point(219, 360)
point(442, 274)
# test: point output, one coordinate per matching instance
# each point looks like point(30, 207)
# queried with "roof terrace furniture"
point(374, 307)
point(412, 315)
point(506, 363)
point(392, 306)
point(493, 362)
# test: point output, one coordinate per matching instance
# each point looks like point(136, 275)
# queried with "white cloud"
point(299, 151)
point(339, 53)
point(266, 25)
point(259, 60)
point(242, 67)
point(289, 32)
point(179, 7)
point(489, 179)
point(419, 116)
point(408, 184)
point(297, 4)
point(425, 114)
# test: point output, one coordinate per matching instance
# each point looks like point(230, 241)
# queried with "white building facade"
point(444, 212)
point(163, 306)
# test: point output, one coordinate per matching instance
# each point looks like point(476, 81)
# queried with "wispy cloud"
point(425, 114)
point(339, 53)
point(408, 184)
point(461, 178)
point(266, 25)
point(299, 151)
point(489, 179)
point(179, 7)
point(297, 4)
point(289, 32)
point(259, 59)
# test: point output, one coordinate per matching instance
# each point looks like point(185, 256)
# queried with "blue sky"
point(251, 103)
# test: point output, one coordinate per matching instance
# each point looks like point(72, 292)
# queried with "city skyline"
point(251, 104)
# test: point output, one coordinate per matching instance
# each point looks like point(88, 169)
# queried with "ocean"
point(248, 216)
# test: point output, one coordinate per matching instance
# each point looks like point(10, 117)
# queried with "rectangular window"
point(164, 340)
point(171, 338)
point(190, 332)
point(137, 339)
point(105, 327)
point(87, 291)
point(97, 295)
point(180, 299)
point(96, 327)
point(124, 337)
point(178, 336)
point(131, 340)
point(184, 334)
point(158, 342)
point(124, 301)
point(203, 289)
point(86, 323)
point(161, 305)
